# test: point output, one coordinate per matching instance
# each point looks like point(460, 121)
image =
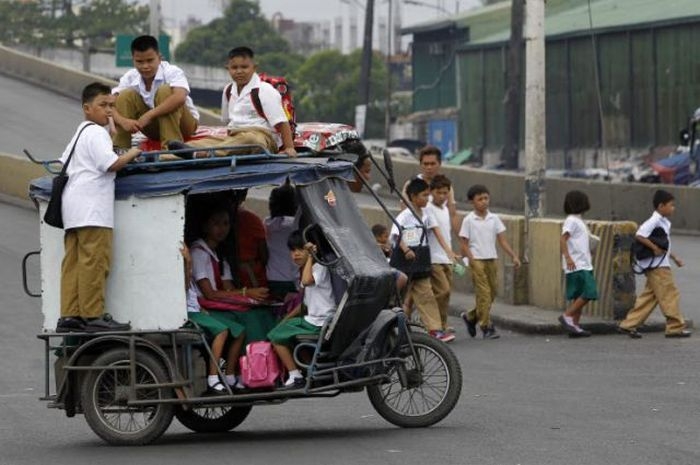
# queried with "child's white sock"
point(231, 380)
point(294, 374)
point(212, 380)
point(569, 320)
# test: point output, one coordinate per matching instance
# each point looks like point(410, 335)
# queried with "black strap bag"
point(641, 252)
point(419, 267)
point(54, 215)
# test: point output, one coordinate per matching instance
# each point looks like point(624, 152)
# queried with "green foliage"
point(50, 23)
point(242, 25)
point(279, 63)
point(326, 89)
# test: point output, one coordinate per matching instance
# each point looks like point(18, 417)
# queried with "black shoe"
point(70, 324)
point(581, 333)
point(299, 383)
point(471, 325)
point(681, 333)
point(177, 145)
point(105, 323)
point(216, 390)
point(490, 333)
point(633, 333)
point(566, 326)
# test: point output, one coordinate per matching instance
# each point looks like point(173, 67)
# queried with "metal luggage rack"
point(150, 161)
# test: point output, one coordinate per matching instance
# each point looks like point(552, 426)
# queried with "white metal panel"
point(146, 282)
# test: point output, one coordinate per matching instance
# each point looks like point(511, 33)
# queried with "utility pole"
point(535, 127)
point(511, 148)
point(390, 40)
point(366, 70)
point(154, 17)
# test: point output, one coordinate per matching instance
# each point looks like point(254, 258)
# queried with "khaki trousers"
point(485, 280)
point(176, 125)
point(659, 289)
point(244, 136)
point(441, 282)
point(84, 271)
point(421, 292)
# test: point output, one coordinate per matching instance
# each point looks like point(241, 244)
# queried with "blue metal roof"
point(213, 179)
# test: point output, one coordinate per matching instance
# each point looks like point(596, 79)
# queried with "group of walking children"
point(576, 244)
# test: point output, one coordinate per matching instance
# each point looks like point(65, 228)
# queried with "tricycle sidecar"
point(130, 385)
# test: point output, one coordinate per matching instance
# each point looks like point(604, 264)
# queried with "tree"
point(326, 89)
point(51, 23)
point(242, 24)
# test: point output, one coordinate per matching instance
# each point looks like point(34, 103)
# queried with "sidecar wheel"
point(413, 397)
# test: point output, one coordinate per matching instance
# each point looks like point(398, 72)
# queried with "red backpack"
point(279, 83)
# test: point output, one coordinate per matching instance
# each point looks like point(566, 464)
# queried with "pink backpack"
point(260, 366)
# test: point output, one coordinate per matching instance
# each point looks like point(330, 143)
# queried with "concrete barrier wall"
point(15, 174)
point(609, 202)
point(611, 264)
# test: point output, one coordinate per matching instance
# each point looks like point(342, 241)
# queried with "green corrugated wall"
point(649, 81)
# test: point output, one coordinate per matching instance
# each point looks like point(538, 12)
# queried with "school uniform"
point(88, 217)
point(441, 265)
point(134, 100)
point(482, 234)
point(203, 262)
point(282, 273)
point(419, 290)
point(319, 302)
point(206, 322)
point(580, 281)
point(247, 126)
point(660, 287)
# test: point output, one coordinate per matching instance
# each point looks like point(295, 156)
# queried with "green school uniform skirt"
point(285, 332)
point(257, 322)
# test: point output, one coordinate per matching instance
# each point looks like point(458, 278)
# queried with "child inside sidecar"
point(363, 344)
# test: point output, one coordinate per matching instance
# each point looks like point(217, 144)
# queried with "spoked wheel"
point(212, 418)
point(419, 395)
point(105, 393)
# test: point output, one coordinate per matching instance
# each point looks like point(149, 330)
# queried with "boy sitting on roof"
point(266, 126)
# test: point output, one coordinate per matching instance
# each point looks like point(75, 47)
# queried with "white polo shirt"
point(482, 233)
point(442, 218)
point(318, 298)
point(88, 198)
point(412, 231)
point(656, 221)
point(578, 244)
point(239, 111)
point(166, 74)
point(202, 259)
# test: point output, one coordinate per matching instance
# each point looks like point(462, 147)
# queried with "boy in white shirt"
point(480, 232)
point(88, 216)
point(153, 98)
point(660, 287)
point(420, 290)
point(441, 275)
point(318, 300)
point(265, 125)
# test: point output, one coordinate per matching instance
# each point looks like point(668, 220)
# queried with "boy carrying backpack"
point(254, 110)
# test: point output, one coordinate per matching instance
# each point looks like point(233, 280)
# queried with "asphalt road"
point(526, 400)
point(36, 119)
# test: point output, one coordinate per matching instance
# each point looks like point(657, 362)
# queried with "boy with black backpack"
point(660, 287)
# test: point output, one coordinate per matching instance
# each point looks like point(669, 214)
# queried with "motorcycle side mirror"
point(684, 137)
point(389, 167)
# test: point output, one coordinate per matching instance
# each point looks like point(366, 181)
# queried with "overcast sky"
point(175, 11)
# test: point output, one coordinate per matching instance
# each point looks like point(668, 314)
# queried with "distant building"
point(304, 37)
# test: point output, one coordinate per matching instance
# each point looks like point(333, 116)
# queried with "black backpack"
point(641, 252)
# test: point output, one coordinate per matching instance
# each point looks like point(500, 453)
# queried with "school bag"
point(641, 252)
point(260, 367)
point(282, 86)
